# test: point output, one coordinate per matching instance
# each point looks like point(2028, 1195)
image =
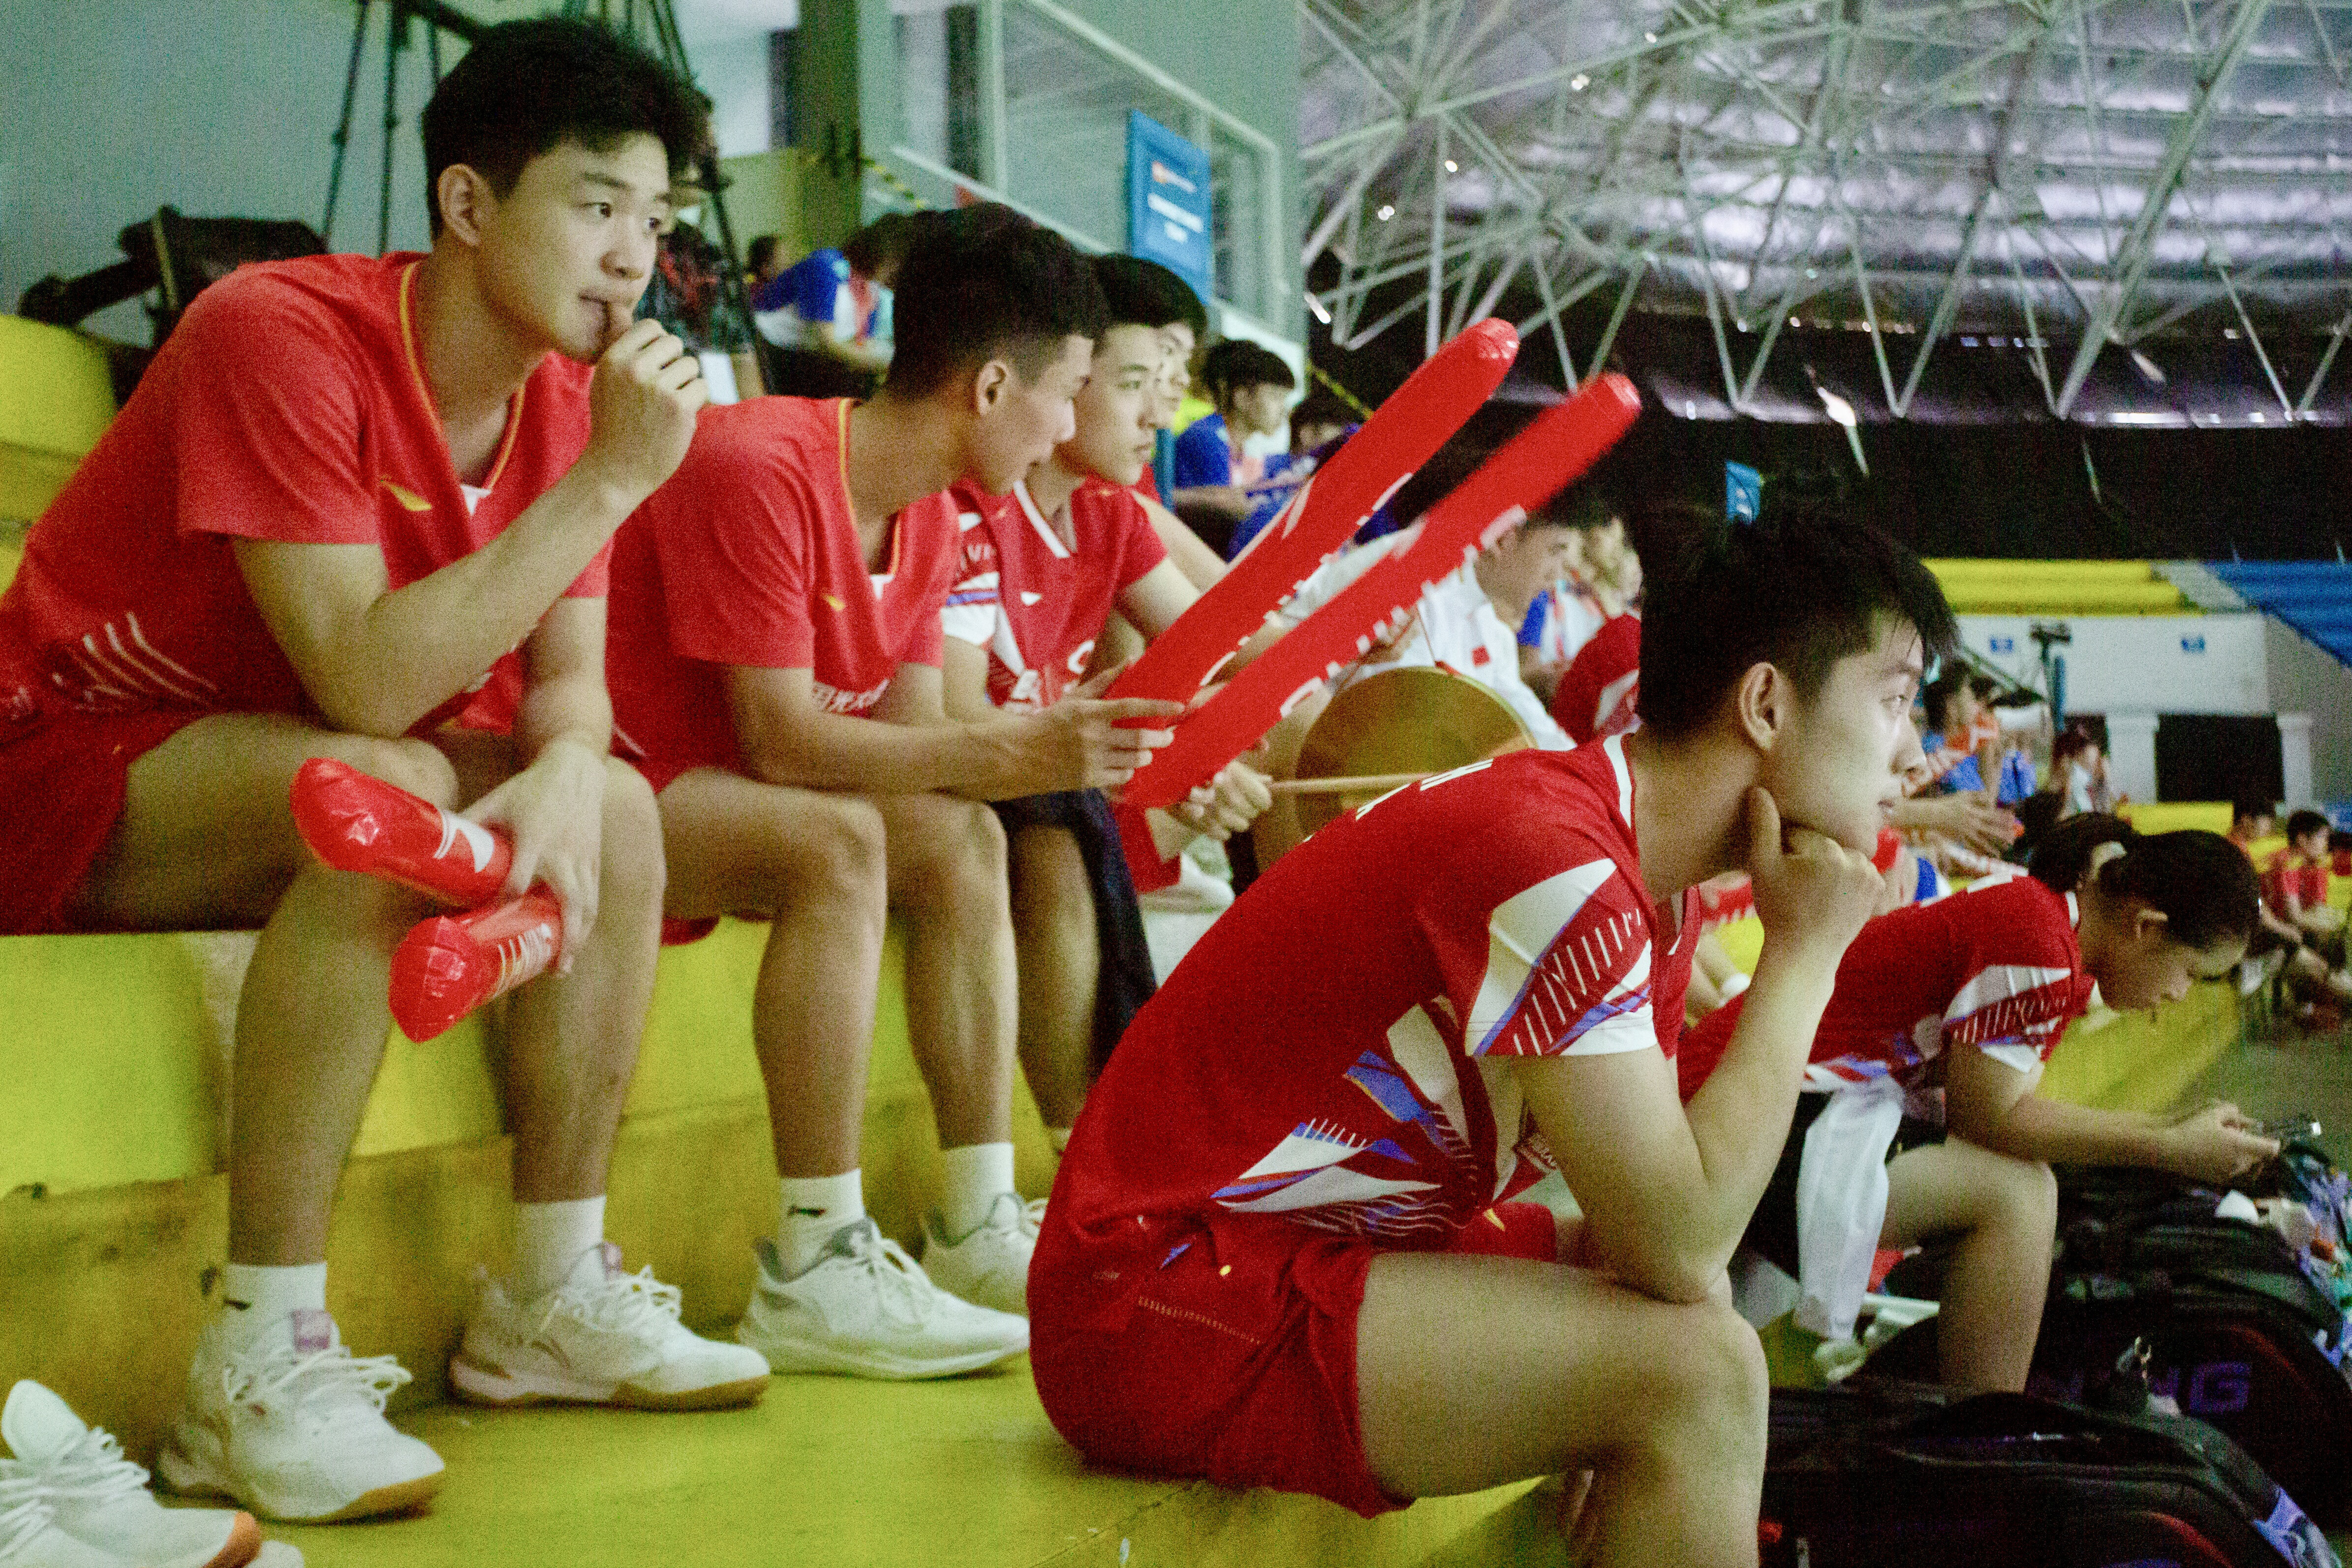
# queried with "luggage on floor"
point(2247, 1330)
point(1886, 1475)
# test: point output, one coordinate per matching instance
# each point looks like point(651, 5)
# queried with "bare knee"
point(839, 849)
point(1710, 1376)
point(955, 861)
point(630, 867)
point(415, 766)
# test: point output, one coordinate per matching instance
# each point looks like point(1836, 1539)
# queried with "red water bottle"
point(448, 966)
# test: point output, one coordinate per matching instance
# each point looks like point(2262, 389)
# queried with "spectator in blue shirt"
point(1250, 388)
point(827, 315)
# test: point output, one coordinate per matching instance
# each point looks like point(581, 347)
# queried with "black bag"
point(2242, 1335)
point(1889, 1475)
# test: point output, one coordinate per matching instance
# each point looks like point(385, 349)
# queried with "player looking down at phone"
point(1264, 1260)
point(351, 497)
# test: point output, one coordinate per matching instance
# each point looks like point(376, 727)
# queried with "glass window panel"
point(1065, 126)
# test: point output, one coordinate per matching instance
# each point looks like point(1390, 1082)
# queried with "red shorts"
point(1236, 1361)
point(63, 775)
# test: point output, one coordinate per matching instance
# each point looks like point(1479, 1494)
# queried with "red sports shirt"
point(289, 405)
point(1334, 1053)
point(1036, 603)
point(1599, 691)
point(1997, 966)
point(749, 556)
point(2289, 873)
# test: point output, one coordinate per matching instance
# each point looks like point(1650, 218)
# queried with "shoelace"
point(894, 1272)
point(92, 1467)
point(1033, 1218)
point(326, 1386)
point(24, 1510)
point(620, 1303)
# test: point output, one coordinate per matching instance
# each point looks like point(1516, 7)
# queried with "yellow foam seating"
point(2059, 588)
point(56, 398)
point(113, 1211)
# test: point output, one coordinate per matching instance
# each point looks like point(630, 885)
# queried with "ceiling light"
point(2230, 333)
point(1840, 411)
point(1812, 272)
point(1386, 213)
point(2147, 367)
point(1451, 167)
point(1649, 37)
point(1578, 82)
point(1320, 314)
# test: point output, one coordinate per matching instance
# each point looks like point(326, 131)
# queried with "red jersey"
point(1038, 604)
point(2290, 874)
point(290, 405)
point(1335, 1053)
point(1598, 693)
point(749, 556)
point(1996, 967)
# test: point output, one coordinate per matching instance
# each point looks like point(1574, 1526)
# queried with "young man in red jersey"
point(1042, 570)
point(351, 497)
point(775, 668)
point(1257, 1262)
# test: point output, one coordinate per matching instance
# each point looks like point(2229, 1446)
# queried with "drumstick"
point(1369, 783)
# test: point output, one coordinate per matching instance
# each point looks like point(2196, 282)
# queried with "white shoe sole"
point(481, 1384)
point(791, 1355)
point(192, 1465)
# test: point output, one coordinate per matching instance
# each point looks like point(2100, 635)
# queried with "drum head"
point(1414, 720)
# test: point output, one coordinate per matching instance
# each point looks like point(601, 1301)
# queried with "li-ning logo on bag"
point(2213, 1388)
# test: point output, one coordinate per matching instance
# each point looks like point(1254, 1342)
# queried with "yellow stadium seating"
point(56, 398)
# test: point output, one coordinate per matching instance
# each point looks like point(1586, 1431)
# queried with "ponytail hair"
point(2204, 884)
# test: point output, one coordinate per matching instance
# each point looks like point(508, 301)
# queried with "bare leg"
point(811, 862)
point(2004, 1212)
point(207, 839)
point(1060, 966)
point(948, 880)
point(572, 1040)
point(1472, 1371)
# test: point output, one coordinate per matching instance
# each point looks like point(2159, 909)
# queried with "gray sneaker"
point(866, 1309)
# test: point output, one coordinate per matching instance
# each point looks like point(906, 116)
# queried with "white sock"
point(1060, 1138)
point(810, 1209)
point(256, 1296)
point(977, 1173)
point(549, 1239)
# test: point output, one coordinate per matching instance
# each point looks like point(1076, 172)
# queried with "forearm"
point(416, 647)
point(869, 757)
point(2055, 1133)
point(1739, 1119)
point(577, 710)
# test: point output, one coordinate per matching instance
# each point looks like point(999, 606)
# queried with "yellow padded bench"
point(2059, 588)
point(56, 398)
point(111, 1210)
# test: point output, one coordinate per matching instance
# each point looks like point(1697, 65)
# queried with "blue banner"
point(1168, 218)
point(1743, 491)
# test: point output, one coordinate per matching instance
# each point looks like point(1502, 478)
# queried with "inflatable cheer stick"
point(355, 821)
point(448, 966)
point(1415, 422)
point(1562, 442)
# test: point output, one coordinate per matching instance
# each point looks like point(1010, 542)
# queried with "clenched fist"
point(642, 402)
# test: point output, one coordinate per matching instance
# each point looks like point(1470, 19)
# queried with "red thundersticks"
point(1415, 422)
point(1562, 443)
point(447, 966)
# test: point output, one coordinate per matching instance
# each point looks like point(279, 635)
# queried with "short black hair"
point(1142, 293)
point(2302, 823)
point(876, 250)
point(1237, 362)
point(1941, 693)
point(2247, 808)
point(1800, 589)
point(525, 88)
point(2201, 883)
point(980, 283)
point(762, 251)
point(1584, 505)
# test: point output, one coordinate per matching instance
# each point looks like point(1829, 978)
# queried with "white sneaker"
point(1194, 892)
point(29, 1536)
point(867, 1309)
point(602, 1337)
point(991, 1265)
point(101, 1499)
point(292, 1426)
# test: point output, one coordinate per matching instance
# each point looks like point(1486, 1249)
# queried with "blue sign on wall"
point(1743, 493)
point(2003, 644)
point(1168, 202)
point(2192, 644)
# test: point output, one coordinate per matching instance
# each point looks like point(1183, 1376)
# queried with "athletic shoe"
point(29, 1536)
point(292, 1426)
point(602, 1337)
point(101, 1499)
point(989, 1265)
point(864, 1309)
point(1194, 892)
